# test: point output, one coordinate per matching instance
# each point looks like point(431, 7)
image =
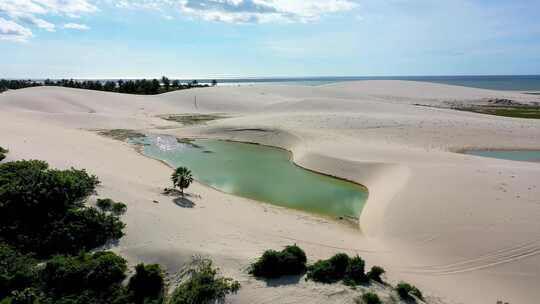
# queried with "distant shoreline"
point(491, 82)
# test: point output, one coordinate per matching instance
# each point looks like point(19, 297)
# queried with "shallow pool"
point(519, 155)
point(259, 172)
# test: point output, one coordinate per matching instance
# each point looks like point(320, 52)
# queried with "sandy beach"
point(464, 229)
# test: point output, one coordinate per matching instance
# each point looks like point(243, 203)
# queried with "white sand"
point(464, 229)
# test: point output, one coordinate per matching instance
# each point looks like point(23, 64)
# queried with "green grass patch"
point(530, 112)
point(192, 119)
point(121, 134)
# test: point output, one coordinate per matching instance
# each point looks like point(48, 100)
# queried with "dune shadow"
point(283, 281)
point(184, 202)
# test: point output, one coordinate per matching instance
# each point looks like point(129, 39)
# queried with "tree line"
point(139, 86)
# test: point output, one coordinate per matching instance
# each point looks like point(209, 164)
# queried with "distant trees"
point(139, 86)
point(166, 83)
point(182, 178)
point(17, 84)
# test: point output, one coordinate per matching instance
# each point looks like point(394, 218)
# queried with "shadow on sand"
point(283, 281)
point(184, 202)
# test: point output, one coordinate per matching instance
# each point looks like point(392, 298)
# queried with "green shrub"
point(147, 284)
point(355, 273)
point(370, 298)
point(104, 204)
point(406, 290)
point(204, 286)
point(17, 271)
point(3, 153)
point(90, 278)
point(25, 296)
point(329, 271)
point(337, 268)
point(375, 274)
point(272, 264)
point(42, 210)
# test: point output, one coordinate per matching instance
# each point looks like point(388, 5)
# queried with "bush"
point(272, 264)
point(329, 271)
point(108, 205)
point(42, 210)
point(370, 298)
point(16, 271)
point(104, 204)
point(204, 286)
point(147, 285)
point(26, 296)
point(406, 290)
point(355, 273)
point(375, 274)
point(87, 278)
point(3, 153)
point(339, 267)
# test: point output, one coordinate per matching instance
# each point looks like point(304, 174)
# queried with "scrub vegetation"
point(47, 230)
point(192, 119)
point(121, 134)
point(338, 268)
point(522, 111)
point(273, 264)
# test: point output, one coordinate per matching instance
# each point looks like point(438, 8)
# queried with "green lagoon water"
point(519, 155)
point(261, 173)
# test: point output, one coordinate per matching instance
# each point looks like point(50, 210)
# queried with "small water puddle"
point(518, 155)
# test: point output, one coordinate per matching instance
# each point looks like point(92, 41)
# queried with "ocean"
point(506, 83)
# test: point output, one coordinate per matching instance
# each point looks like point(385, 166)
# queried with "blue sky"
point(265, 38)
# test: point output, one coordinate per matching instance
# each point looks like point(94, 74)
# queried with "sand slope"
point(464, 229)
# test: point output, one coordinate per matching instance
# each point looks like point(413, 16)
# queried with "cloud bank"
point(17, 16)
point(248, 11)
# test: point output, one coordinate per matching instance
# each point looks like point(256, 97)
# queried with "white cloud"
point(12, 31)
point(262, 11)
point(248, 11)
point(76, 26)
point(33, 12)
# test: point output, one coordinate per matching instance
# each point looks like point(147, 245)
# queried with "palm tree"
point(182, 178)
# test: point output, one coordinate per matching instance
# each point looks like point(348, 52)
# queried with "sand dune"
point(465, 229)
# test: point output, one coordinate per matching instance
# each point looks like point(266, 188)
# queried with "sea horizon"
point(493, 82)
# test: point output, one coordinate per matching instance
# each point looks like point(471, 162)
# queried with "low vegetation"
point(43, 210)
point(140, 86)
point(192, 119)
point(522, 111)
point(369, 298)
point(147, 285)
point(46, 231)
point(3, 153)
point(407, 291)
point(273, 264)
point(203, 285)
point(375, 274)
point(121, 134)
point(340, 267)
